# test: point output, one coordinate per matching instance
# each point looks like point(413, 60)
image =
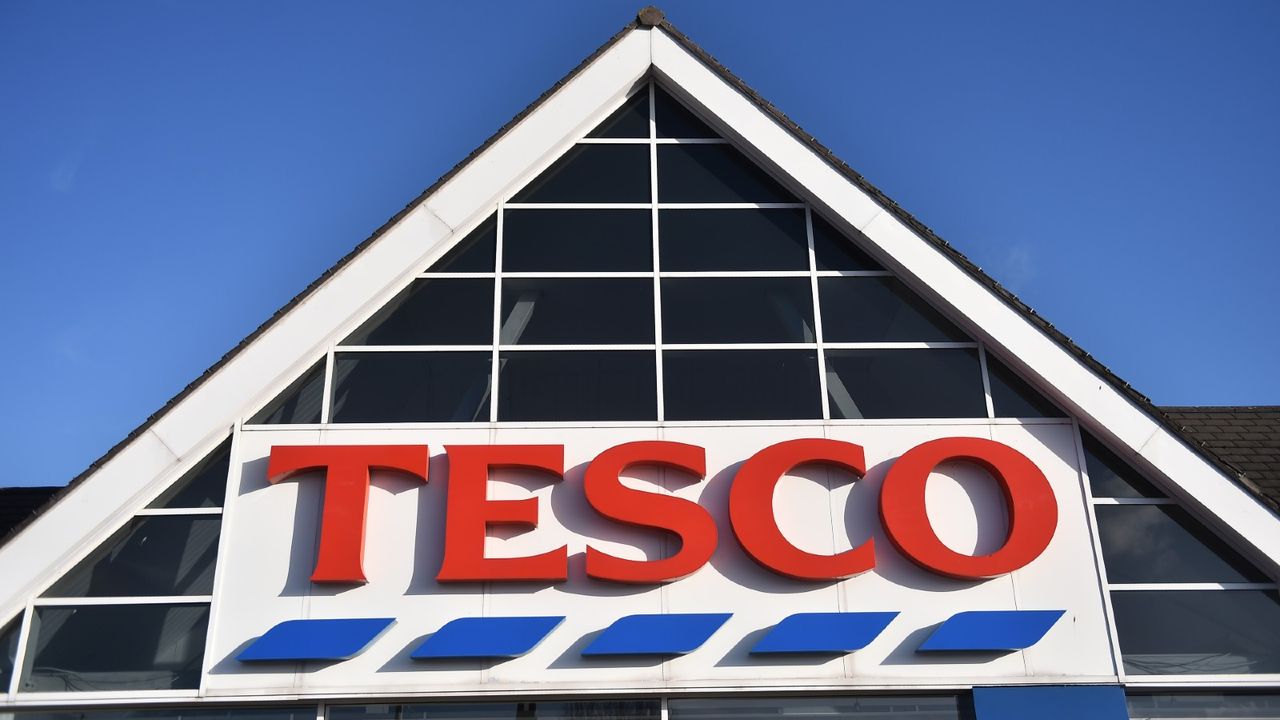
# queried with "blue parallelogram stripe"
point(294, 640)
point(486, 637)
point(991, 631)
point(823, 632)
point(667, 634)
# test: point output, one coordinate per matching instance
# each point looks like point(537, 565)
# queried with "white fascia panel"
point(1088, 395)
point(561, 119)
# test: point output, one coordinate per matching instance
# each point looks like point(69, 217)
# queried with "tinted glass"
point(152, 555)
point(593, 173)
point(204, 485)
point(1234, 706)
point(694, 240)
point(8, 651)
point(880, 309)
point(868, 707)
point(545, 311)
point(1013, 397)
point(474, 253)
point(1111, 477)
point(296, 404)
point(629, 121)
point(833, 251)
point(411, 387)
point(583, 710)
point(726, 310)
point(1164, 544)
point(592, 385)
point(174, 713)
point(577, 241)
point(438, 311)
point(674, 120)
point(714, 173)
point(115, 647)
point(905, 384)
point(741, 384)
point(1198, 632)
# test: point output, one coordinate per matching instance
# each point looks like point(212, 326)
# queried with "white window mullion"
point(986, 380)
point(657, 275)
point(494, 365)
point(20, 657)
point(817, 314)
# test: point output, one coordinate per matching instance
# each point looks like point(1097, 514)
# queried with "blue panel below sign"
point(486, 637)
point(824, 632)
point(1050, 702)
point(324, 640)
point(991, 631)
point(656, 634)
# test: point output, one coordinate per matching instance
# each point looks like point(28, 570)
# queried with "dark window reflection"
point(438, 311)
point(593, 173)
point(905, 384)
point(205, 712)
point(674, 120)
point(866, 707)
point(152, 555)
point(833, 251)
point(115, 647)
point(1198, 632)
point(728, 310)
point(714, 173)
point(1164, 544)
point(578, 310)
point(1013, 397)
point(204, 485)
point(695, 240)
point(1111, 477)
point(1227, 706)
point(297, 404)
point(411, 387)
point(543, 385)
point(581, 710)
point(629, 121)
point(880, 309)
point(474, 253)
point(577, 241)
point(741, 384)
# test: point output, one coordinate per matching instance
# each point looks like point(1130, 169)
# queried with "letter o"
point(1033, 510)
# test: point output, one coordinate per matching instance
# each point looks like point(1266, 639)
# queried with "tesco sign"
point(1029, 499)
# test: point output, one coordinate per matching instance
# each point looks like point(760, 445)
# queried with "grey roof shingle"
point(1247, 438)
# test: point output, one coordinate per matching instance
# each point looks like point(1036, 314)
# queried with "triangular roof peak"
point(283, 348)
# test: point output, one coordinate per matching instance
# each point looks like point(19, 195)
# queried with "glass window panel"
point(721, 240)
point(905, 384)
point(1013, 397)
point(577, 241)
point(541, 311)
point(8, 651)
point(474, 253)
point(204, 485)
point(152, 555)
point(578, 385)
point(674, 120)
point(741, 384)
point(411, 387)
point(880, 309)
point(1198, 632)
point(204, 712)
point(297, 404)
point(585, 710)
point(714, 173)
point(115, 647)
point(629, 121)
point(833, 251)
point(1164, 544)
point(866, 707)
point(1227, 706)
point(593, 173)
point(1111, 477)
point(725, 310)
point(436, 311)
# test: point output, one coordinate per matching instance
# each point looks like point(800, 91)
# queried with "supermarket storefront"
point(651, 409)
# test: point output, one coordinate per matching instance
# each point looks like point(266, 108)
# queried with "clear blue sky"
point(171, 172)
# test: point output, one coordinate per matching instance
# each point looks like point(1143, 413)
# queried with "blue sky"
point(171, 173)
